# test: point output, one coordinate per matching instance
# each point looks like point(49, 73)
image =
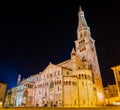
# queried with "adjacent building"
point(75, 82)
point(3, 88)
point(116, 71)
point(111, 94)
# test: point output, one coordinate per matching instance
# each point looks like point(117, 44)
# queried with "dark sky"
point(33, 33)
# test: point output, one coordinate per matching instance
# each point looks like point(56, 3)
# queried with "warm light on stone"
point(75, 82)
point(3, 88)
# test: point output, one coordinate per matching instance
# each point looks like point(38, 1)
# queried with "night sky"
point(33, 33)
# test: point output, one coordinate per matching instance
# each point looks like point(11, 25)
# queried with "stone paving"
point(51, 108)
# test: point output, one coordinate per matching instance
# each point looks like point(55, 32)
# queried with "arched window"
point(54, 73)
point(55, 83)
point(79, 76)
point(84, 48)
point(78, 67)
point(85, 33)
point(82, 76)
point(81, 35)
point(69, 82)
point(58, 88)
point(118, 72)
point(85, 76)
point(51, 84)
point(66, 82)
point(59, 81)
point(58, 72)
point(73, 83)
point(67, 73)
point(51, 75)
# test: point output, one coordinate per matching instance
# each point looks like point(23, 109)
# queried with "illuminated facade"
point(85, 49)
point(11, 97)
point(3, 88)
point(111, 94)
point(75, 82)
point(64, 84)
point(116, 70)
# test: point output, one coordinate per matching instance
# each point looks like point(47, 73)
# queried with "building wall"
point(19, 96)
point(111, 94)
point(70, 85)
point(48, 91)
point(58, 86)
point(116, 71)
point(3, 88)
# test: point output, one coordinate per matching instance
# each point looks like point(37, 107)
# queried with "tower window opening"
point(119, 72)
point(66, 82)
point(78, 67)
point(67, 73)
point(58, 72)
point(59, 81)
point(79, 76)
point(81, 35)
point(54, 73)
point(56, 102)
point(55, 82)
point(69, 82)
point(82, 76)
point(58, 88)
point(85, 33)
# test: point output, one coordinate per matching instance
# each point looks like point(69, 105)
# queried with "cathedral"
point(75, 82)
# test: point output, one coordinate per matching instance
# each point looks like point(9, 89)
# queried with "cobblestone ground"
point(50, 108)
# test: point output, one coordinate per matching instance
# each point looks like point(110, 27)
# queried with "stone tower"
point(85, 49)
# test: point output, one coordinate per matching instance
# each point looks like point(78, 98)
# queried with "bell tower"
point(19, 79)
point(85, 49)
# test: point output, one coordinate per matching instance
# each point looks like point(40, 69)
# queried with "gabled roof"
point(64, 62)
point(49, 66)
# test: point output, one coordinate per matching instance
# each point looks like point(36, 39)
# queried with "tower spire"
point(73, 53)
point(82, 21)
point(80, 9)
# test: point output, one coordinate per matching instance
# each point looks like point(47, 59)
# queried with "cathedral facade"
point(75, 82)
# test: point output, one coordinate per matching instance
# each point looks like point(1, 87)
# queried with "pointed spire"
point(73, 52)
point(80, 9)
point(82, 21)
point(50, 62)
point(19, 78)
